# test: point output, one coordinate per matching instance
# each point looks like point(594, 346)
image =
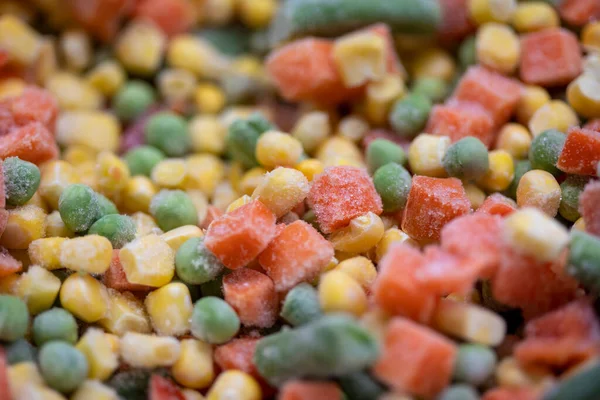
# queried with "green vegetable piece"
point(172, 209)
point(435, 89)
point(232, 41)
point(467, 52)
point(242, 137)
point(459, 392)
point(106, 206)
point(311, 218)
point(331, 346)
point(467, 159)
point(392, 182)
point(14, 318)
point(545, 150)
point(20, 351)
point(584, 260)
point(133, 99)
point(195, 264)
point(382, 151)
point(584, 385)
point(54, 324)
point(78, 207)
point(213, 288)
point(409, 115)
point(214, 321)
point(21, 180)
point(132, 384)
point(571, 188)
point(521, 168)
point(142, 159)
point(474, 364)
point(301, 305)
point(119, 229)
point(168, 132)
point(361, 386)
point(63, 367)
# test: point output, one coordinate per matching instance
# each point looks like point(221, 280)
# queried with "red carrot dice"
point(32, 142)
point(164, 389)
point(579, 12)
point(102, 18)
point(171, 16)
point(253, 297)
point(212, 213)
point(310, 390)
point(593, 125)
point(34, 105)
point(456, 22)
point(237, 354)
point(581, 152)
point(589, 206)
point(8, 264)
point(497, 204)
point(458, 120)
point(444, 273)
point(115, 277)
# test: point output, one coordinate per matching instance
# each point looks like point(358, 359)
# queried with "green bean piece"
point(301, 305)
point(172, 209)
point(571, 188)
point(195, 264)
point(21, 180)
point(20, 351)
point(383, 151)
point(54, 324)
point(168, 132)
point(78, 207)
point(361, 386)
point(584, 260)
point(133, 99)
point(474, 364)
point(545, 150)
point(467, 159)
point(409, 115)
point(142, 159)
point(14, 318)
point(392, 182)
point(119, 229)
point(584, 385)
point(214, 321)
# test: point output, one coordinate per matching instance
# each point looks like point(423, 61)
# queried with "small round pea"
point(545, 150)
point(20, 351)
point(78, 207)
point(133, 99)
point(521, 168)
point(409, 114)
point(474, 364)
point(106, 206)
point(301, 305)
point(63, 367)
point(392, 182)
point(142, 159)
point(119, 229)
point(435, 89)
point(21, 180)
point(14, 318)
point(571, 188)
point(195, 264)
point(214, 321)
point(242, 137)
point(54, 324)
point(382, 151)
point(168, 132)
point(459, 392)
point(467, 159)
point(172, 209)
point(467, 52)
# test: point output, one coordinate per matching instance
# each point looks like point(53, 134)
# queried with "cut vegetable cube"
point(252, 295)
point(581, 152)
point(497, 204)
point(589, 206)
point(458, 120)
point(32, 142)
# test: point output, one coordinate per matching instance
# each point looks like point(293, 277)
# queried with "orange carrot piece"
point(456, 22)
point(237, 354)
point(310, 390)
point(171, 16)
point(102, 18)
point(589, 202)
point(115, 277)
point(252, 295)
point(593, 125)
point(579, 12)
point(34, 105)
point(164, 389)
point(581, 152)
point(8, 264)
point(32, 142)
point(458, 120)
point(497, 204)
point(212, 213)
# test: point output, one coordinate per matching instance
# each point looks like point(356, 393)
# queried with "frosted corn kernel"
point(282, 189)
point(498, 47)
point(509, 373)
point(380, 97)
point(590, 36)
point(532, 98)
point(483, 11)
point(85, 297)
point(425, 155)
point(534, 16)
point(278, 149)
point(256, 14)
point(360, 57)
point(234, 384)
point(76, 49)
point(194, 367)
point(140, 47)
point(94, 390)
point(583, 95)
point(170, 309)
point(218, 12)
point(112, 173)
point(554, 115)
point(178, 236)
point(149, 351)
point(475, 195)
point(73, 92)
point(46, 252)
point(91, 254)
point(21, 376)
point(335, 148)
point(339, 292)
point(353, 128)
point(47, 62)
point(138, 194)
point(107, 77)
point(360, 268)
point(55, 177)
point(224, 195)
point(97, 130)
point(200, 202)
point(170, 173)
point(209, 98)
point(176, 84)
point(145, 224)
point(25, 224)
point(148, 260)
point(207, 135)
point(196, 55)
point(433, 63)
point(20, 41)
point(78, 154)
point(125, 314)
point(241, 201)
point(312, 129)
point(204, 172)
point(38, 288)
point(248, 65)
point(10, 87)
point(532, 232)
point(515, 139)
point(87, 174)
point(102, 357)
point(362, 234)
point(501, 172)
point(539, 189)
point(390, 237)
point(251, 179)
point(310, 167)
point(38, 201)
point(579, 225)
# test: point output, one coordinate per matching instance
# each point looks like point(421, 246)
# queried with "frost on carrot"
point(310, 390)
point(34, 105)
point(252, 295)
point(497, 204)
point(171, 16)
point(458, 120)
point(237, 354)
point(102, 18)
point(115, 277)
point(589, 202)
point(8, 264)
point(579, 12)
point(32, 142)
point(456, 22)
point(581, 152)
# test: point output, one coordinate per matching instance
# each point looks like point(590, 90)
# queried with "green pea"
point(571, 188)
point(435, 89)
point(474, 364)
point(14, 318)
point(584, 260)
point(521, 168)
point(106, 206)
point(301, 305)
point(311, 218)
point(142, 159)
point(467, 53)
point(409, 115)
point(361, 386)
point(242, 137)
point(168, 132)
point(195, 264)
point(172, 209)
point(545, 150)
point(54, 324)
point(467, 159)
point(78, 207)
point(20, 351)
point(21, 180)
point(214, 321)
point(63, 367)
point(382, 151)
point(459, 392)
point(392, 182)
point(133, 99)
point(119, 229)
point(582, 385)
point(232, 41)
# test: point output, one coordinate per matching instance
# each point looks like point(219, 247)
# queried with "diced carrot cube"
point(7, 121)
point(253, 297)
point(8, 264)
point(581, 152)
point(212, 213)
point(31, 142)
point(431, 204)
point(171, 16)
point(102, 18)
point(444, 273)
point(579, 12)
point(34, 105)
point(115, 277)
point(458, 120)
point(497, 204)
point(297, 254)
point(551, 57)
point(161, 388)
point(310, 390)
point(340, 194)
point(589, 206)
point(511, 394)
point(593, 125)
point(238, 237)
point(237, 354)
point(456, 22)
point(3, 220)
point(415, 359)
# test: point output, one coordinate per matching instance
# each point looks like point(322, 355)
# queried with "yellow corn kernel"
point(256, 14)
point(360, 57)
point(360, 268)
point(209, 98)
point(176, 84)
point(339, 292)
point(25, 224)
point(102, 357)
point(248, 65)
point(8, 284)
point(251, 179)
point(236, 385)
point(148, 260)
point(469, 322)
point(498, 47)
point(218, 12)
point(554, 115)
point(310, 167)
point(475, 195)
point(87, 174)
point(194, 367)
point(21, 376)
point(390, 237)
point(501, 172)
point(91, 254)
point(38, 201)
point(360, 236)
point(145, 224)
point(532, 232)
point(278, 149)
point(97, 130)
point(579, 225)
point(207, 135)
point(107, 77)
point(178, 236)
point(85, 297)
point(590, 36)
point(20, 41)
point(47, 62)
point(425, 155)
point(242, 201)
point(169, 173)
point(282, 189)
point(56, 176)
point(380, 97)
point(433, 63)
point(138, 194)
point(189, 394)
point(10, 87)
point(77, 155)
point(196, 55)
point(94, 390)
point(532, 98)
point(46, 252)
point(73, 92)
point(38, 288)
point(312, 129)
point(125, 314)
point(149, 351)
point(510, 373)
point(112, 173)
point(224, 195)
point(482, 11)
point(200, 202)
point(40, 392)
point(204, 172)
point(76, 49)
point(140, 47)
point(335, 148)
point(170, 309)
point(534, 16)
point(583, 95)
point(539, 189)
point(515, 139)
point(353, 128)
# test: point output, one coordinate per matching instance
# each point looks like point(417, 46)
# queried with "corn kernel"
point(362, 234)
point(178, 236)
point(46, 252)
point(204, 172)
point(85, 297)
point(140, 47)
point(102, 358)
point(20, 41)
point(534, 16)
point(125, 314)
point(87, 174)
point(339, 292)
point(498, 47)
point(170, 309)
point(361, 269)
point(145, 225)
point(194, 367)
point(554, 115)
point(55, 177)
point(189, 394)
point(475, 195)
point(176, 84)
point(590, 36)
point(73, 93)
point(209, 98)
point(483, 11)
point(579, 225)
point(138, 194)
point(281, 190)
point(353, 128)
point(539, 189)
point(21, 376)
point(310, 167)
point(583, 95)
point(509, 373)
point(148, 260)
point(251, 179)
point(25, 224)
point(433, 63)
point(390, 237)
point(97, 130)
point(149, 351)
point(208, 135)
point(47, 62)
point(94, 390)
point(532, 98)
point(312, 129)
point(278, 149)
point(336, 149)
point(169, 173)
point(112, 174)
point(501, 172)
point(256, 14)
point(76, 48)
point(380, 97)
point(242, 201)
point(11, 87)
point(77, 155)
point(515, 139)
point(425, 155)
point(91, 254)
point(107, 77)
point(196, 55)
point(224, 195)
point(360, 57)
point(200, 202)
point(218, 12)
point(38, 201)
point(236, 385)
point(38, 288)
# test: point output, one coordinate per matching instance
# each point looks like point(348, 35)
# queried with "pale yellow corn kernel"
point(475, 195)
point(360, 268)
point(11, 87)
point(583, 95)
point(178, 236)
point(469, 322)
point(579, 225)
point(208, 135)
point(251, 179)
point(94, 390)
point(196, 55)
point(539, 189)
point(25, 224)
point(335, 148)
point(41, 392)
point(224, 195)
point(170, 309)
point(310, 167)
point(482, 11)
point(76, 49)
point(46, 252)
point(91, 254)
point(312, 129)
point(554, 115)
point(47, 61)
point(590, 36)
point(112, 174)
point(282, 189)
point(21, 376)
point(511, 374)
point(194, 367)
point(138, 194)
point(353, 128)
point(140, 47)
point(241, 201)
point(87, 174)
point(125, 314)
point(331, 264)
point(390, 237)
point(204, 172)
point(170, 173)
point(200, 202)
point(8, 284)
point(189, 394)
point(107, 77)
point(85, 297)
point(102, 357)
point(149, 351)
point(534, 16)
point(148, 260)
point(501, 172)
point(532, 98)
point(176, 84)
point(530, 231)
point(209, 98)
point(515, 139)
point(362, 234)
point(21, 42)
point(380, 97)
point(145, 225)
point(38, 201)
point(433, 63)
point(498, 47)
point(78, 154)
point(98, 130)
point(73, 92)
point(425, 155)
point(256, 14)
point(55, 177)
point(234, 384)
point(278, 149)
point(38, 288)
point(248, 65)
point(339, 292)
point(360, 57)
point(218, 12)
